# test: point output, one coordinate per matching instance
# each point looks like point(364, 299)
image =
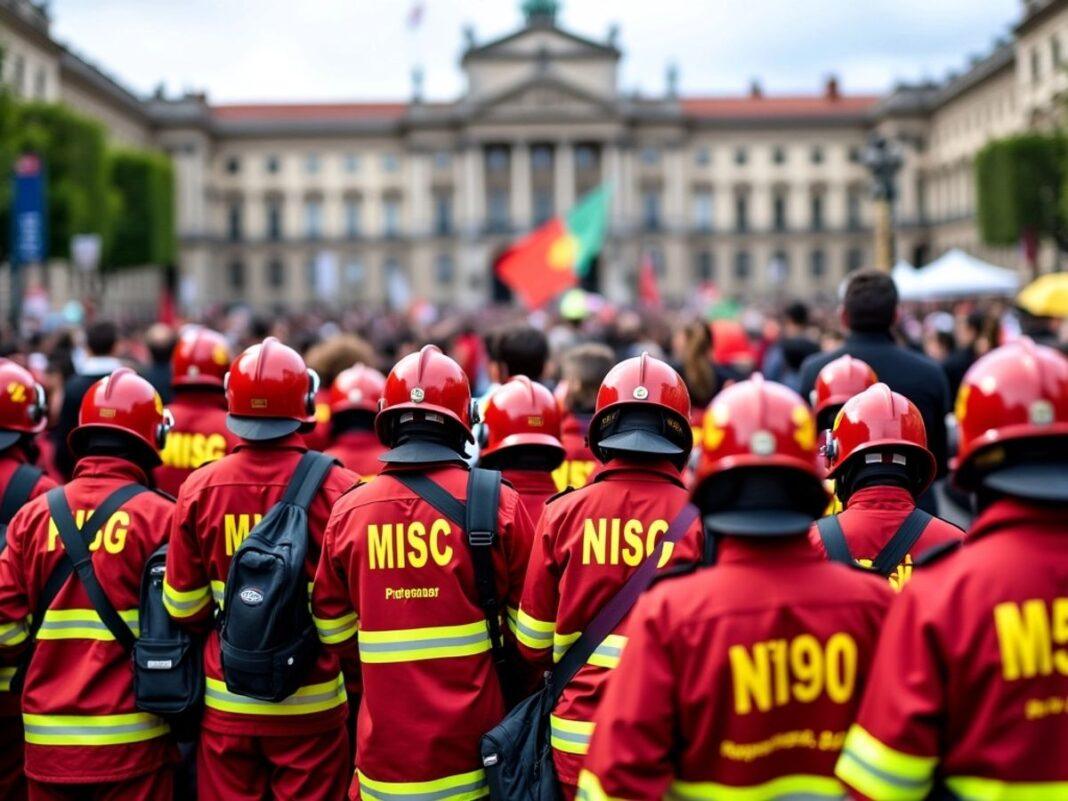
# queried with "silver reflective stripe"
point(435, 795)
point(17, 630)
point(92, 731)
point(611, 651)
point(435, 642)
point(186, 604)
point(889, 778)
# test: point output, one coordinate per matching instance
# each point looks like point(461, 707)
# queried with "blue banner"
point(29, 217)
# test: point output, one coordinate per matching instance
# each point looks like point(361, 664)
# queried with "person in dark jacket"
point(868, 312)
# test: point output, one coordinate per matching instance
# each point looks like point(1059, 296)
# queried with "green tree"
point(143, 225)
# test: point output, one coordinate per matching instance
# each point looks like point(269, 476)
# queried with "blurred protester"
point(869, 311)
point(583, 369)
point(160, 341)
point(732, 348)
point(101, 339)
point(516, 350)
point(783, 359)
point(328, 359)
point(975, 335)
point(200, 435)
point(354, 397)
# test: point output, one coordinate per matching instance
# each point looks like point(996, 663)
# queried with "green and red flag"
point(559, 254)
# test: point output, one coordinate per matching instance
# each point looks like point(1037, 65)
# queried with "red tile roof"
point(318, 111)
point(778, 106)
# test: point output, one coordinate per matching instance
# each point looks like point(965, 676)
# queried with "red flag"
point(540, 266)
point(648, 291)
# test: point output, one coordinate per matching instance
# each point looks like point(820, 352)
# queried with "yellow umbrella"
point(1046, 297)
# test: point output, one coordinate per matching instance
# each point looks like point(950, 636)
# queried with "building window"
point(543, 206)
point(274, 219)
point(271, 164)
point(778, 155)
point(313, 218)
point(656, 258)
point(702, 157)
point(391, 216)
point(854, 259)
point(585, 157)
point(442, 160)
point(817, 155)
point(352, 163)
point(779, 211)
point(354, 272)
point(741, 156)
point(541, 158)
point(854, 154)
point(444, 269)
point(498, 213)
point(651, 209)
point(1036, 65)
point(853, 208)
point(276, 273)
point(390, 162)
point(40, 83)
point(817, 263)
point(497, 160)
point(650, 156)
point(741, 265)
point(19, 75)
point(353, 212)
point(443, 213)
point(311, 164)
point(704, 266)
point(233, 221)
point(236, 274)
point(779, 268)
point(233, 165)
point(702, 209)
point(741, 212)
point(816, 203)
point(1055, 50)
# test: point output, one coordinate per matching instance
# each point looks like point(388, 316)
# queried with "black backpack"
point(168, 672)
point(268, 638)
point(17, 492)
point(892, 554)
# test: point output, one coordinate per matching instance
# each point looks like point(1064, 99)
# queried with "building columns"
point(521, 187)
point(564, 179)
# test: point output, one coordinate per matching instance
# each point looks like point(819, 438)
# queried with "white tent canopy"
point(904, 275)
point(956, 274)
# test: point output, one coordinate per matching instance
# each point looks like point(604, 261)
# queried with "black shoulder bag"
point(18, 491)
point(517, 753)
point(891, 555)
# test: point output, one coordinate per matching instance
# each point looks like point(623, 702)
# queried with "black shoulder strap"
point(434, 494)
point(77, 553)
point(893, 553)
point(17, 492)
point(834, 541)
point(308, 478)
point(613, 612)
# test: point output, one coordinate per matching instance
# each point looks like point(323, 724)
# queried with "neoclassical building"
point(765, 195)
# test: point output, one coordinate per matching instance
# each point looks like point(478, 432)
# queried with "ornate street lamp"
point(883, 158)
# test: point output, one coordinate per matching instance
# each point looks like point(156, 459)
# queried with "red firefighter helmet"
point(1012, 417)
point(839, 381)
point(643, 406)
point(200, 359)
point(883, 425)
point(751, 426)
point(357, 389)
point(124, 402)
point(432, 387)
point(270, 392)
point(22, 404)
point(521, 413)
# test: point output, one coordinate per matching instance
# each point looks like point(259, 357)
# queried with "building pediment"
point(543, 97)
point(541, 41)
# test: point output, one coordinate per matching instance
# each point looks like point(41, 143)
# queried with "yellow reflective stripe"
point(589, 788)
point(561, 642)
point(879, 771)
point(82, 624)
point(93, 729)
point(184, 603)
point(460, 787)
point(305, 701)
point(435, 642)
point(334, 630)
point(605, 655)
point(6, 675)
point(218, 590)
point(13, 633)
point(784, 788)
point(533, 633)
point(572, 736)
point(976, 788)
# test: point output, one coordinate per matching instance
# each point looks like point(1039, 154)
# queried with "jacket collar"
point(532, 481)
point(778, 551)
point(1010, 513)
point(16, 453)
point(109, 467)
point(290, 442)
point(869, 338)
point(622, 468)
point(199, 396)
point(881, 497)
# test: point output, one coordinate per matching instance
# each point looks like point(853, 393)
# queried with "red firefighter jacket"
point(586, 545)
point(200, 436)
point(740, 680)
point(217, 508)
point(534, 488)
point(970, 682)
point(579, 465)
point(871, 518)
point(81, 722)
point(398, 567)
point(359, 452)
point(319, 437)
point(10, 703)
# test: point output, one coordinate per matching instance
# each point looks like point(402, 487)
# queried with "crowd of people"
point(372, 554)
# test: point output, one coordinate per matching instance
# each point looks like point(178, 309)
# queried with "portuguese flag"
point(558, 255)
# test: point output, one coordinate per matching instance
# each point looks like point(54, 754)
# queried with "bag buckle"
point(480, 539)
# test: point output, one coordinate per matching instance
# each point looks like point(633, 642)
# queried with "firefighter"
point(198, 366)
point(584, 368)
point(23, 416)
point(85, 737)
point(521, 431)
point(353, 404)
point(740, 680)
point(640, 431)
point(404, 570)
point(878, 459)
point(836, 383)
point(967, 693)
point(251, 749)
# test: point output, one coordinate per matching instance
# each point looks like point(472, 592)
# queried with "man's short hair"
point(101, 337)
point(870, 301)
point(797, 313)
point(584, 368)
point(522, 349)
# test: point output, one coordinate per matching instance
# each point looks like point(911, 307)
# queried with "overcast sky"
point(241, 50)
